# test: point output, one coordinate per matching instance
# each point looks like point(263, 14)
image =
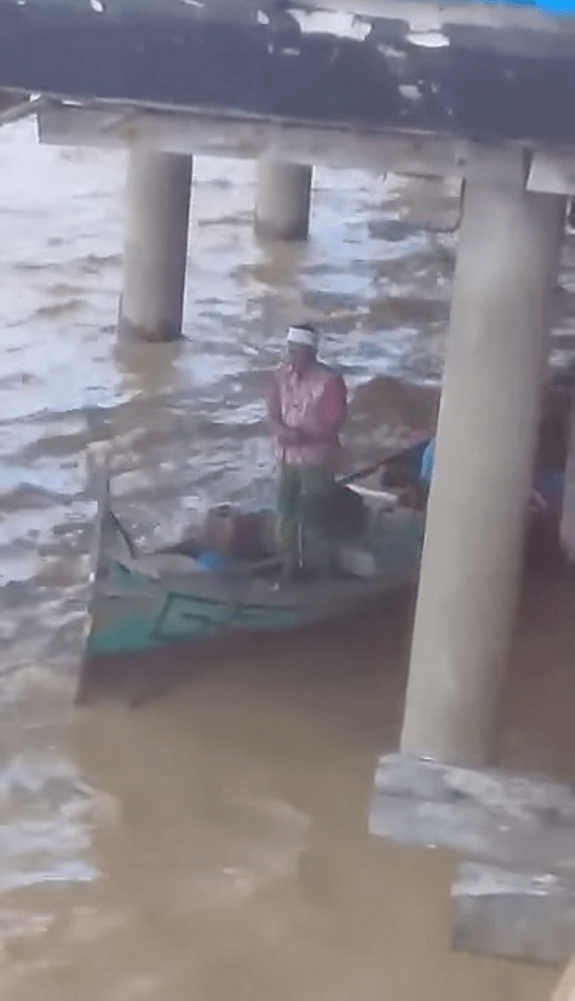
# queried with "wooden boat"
point(167, 612)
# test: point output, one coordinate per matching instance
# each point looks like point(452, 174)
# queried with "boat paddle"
point(359, 474)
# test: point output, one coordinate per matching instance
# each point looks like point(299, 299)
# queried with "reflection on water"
point(212, 844)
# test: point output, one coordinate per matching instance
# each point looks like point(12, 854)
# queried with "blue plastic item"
point(550, 483)
point(416, 453)
point(215, 561)
point(551, 486)
point(427, 461)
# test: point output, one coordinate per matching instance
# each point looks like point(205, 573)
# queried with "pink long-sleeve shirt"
point(315, 403)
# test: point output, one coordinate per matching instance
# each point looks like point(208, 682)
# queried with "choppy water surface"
point(212, 845)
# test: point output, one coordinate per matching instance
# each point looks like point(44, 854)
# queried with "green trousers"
point(304, 493)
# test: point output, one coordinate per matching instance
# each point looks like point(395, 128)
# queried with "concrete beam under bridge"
point(549, 171)
point(191, 134)
point(258, 139)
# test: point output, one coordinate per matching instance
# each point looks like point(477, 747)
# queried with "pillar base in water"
point(283, 201)
point(160, 333)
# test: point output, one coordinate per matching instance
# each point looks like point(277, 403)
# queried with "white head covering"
point(304, 336)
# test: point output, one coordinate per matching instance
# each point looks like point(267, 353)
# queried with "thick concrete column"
point(156, 243)
point(283, 201)
point(567, 528)
point(506, 268)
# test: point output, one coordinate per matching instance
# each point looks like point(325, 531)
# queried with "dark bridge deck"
point(478, 71)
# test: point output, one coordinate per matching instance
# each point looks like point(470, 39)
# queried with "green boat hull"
point(147, 617)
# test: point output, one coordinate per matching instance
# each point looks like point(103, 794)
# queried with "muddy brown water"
point(213, 844)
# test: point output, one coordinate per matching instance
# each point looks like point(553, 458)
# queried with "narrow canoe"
point(166, 613)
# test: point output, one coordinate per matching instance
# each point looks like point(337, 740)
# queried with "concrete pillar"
point(156, 243)
point(506, 268)
point(567, 528)
point(283, 201)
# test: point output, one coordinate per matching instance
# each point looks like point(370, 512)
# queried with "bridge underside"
point(483, 72)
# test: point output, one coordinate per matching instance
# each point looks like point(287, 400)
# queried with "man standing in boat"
point(307, 408)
